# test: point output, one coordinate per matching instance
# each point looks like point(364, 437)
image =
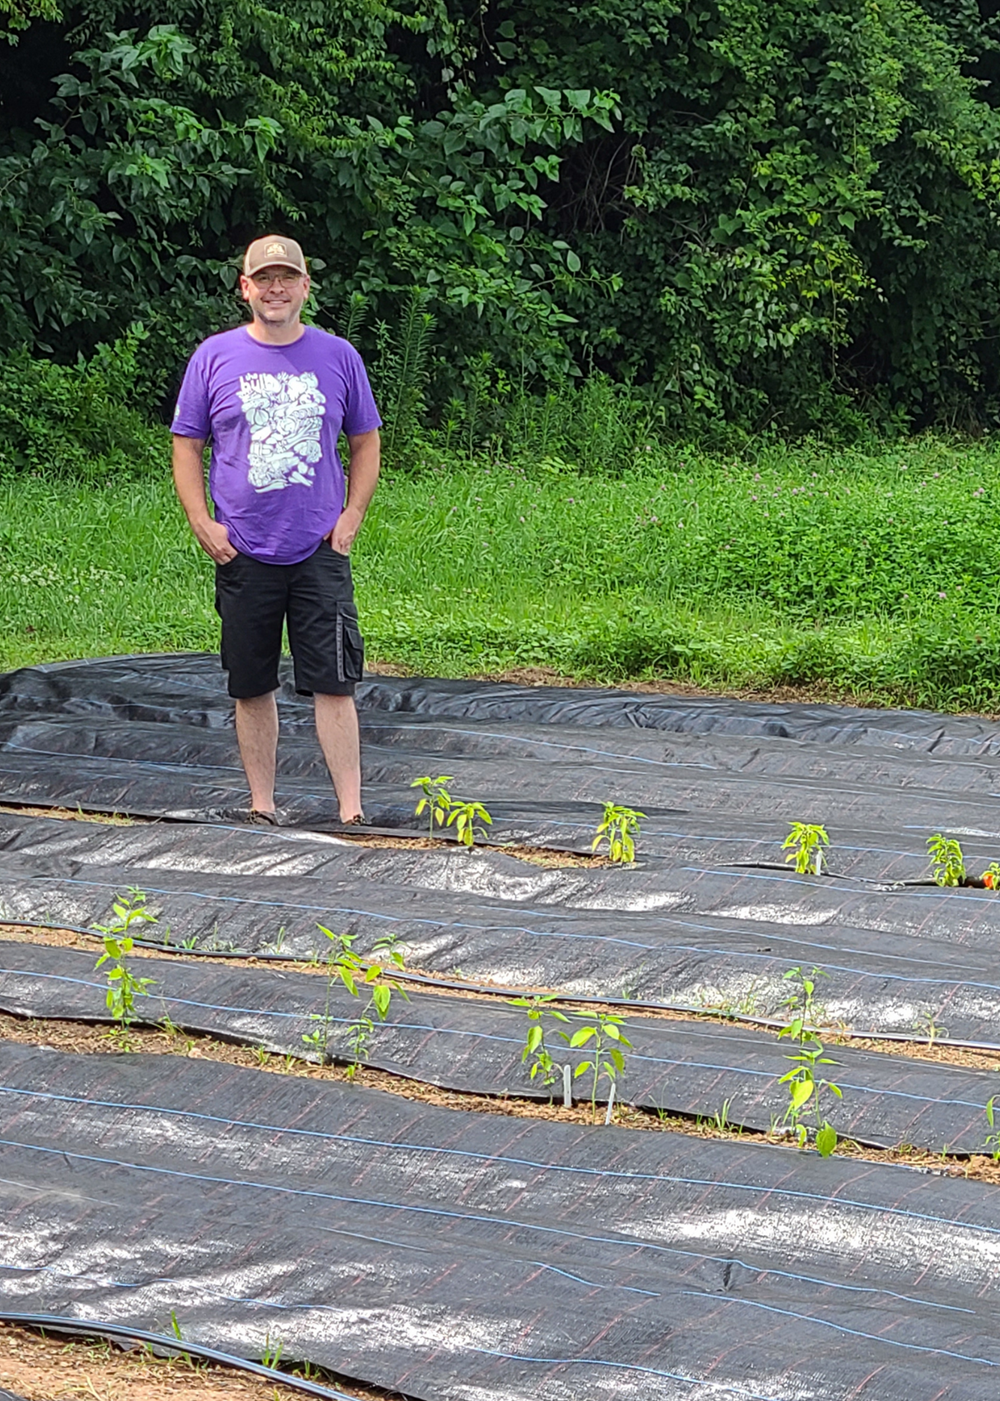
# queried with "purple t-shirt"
point(274, 413)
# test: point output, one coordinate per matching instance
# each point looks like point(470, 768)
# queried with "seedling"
point(991, 877)
point(992, 1139)
point(947, 861)
point(804, 844)
point(357, 973)
point(804, 1086)
point(271, 1353)
point(128, 909)
point(720, 1120)
point(465, 816)
point(928, 1024)
point(184, 1356)
point(535, 1048)
point(617, 827)
point(123, 986)
point(436, 801)
point(603, 1033)
point(802, 999)
point(731, 1008)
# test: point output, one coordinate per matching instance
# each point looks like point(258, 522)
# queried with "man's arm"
point(189, 479)
point(362, 478)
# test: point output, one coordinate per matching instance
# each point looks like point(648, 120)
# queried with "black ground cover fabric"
point(475, 1256)
point(154, 735)
point(902, 962)
point(460, 1255)
point(686, 1067)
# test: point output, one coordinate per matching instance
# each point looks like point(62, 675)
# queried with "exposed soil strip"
point(87, 1040)
point(549, 857)
point(41, 1366)
point(939, 1050)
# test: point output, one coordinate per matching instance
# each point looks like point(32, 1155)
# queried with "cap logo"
point(276, 249)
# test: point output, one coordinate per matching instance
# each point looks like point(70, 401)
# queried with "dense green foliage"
point(868, 574)
point(757, 211)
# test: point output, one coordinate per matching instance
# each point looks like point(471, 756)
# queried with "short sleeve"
point(360, 413)
point(191, 415)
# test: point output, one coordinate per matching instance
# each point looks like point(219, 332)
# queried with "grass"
point(875, 575)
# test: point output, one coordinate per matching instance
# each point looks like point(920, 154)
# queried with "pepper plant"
point(616, 827)
point(806, 841)
point(436, 801)
point(359, 976)
point(465, 816)
point(601, 1033)
point(947, 860)
point(123, 986)
point(535, 1048)
point(805, 1087)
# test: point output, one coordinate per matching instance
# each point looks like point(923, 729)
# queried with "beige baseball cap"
point(273, 251)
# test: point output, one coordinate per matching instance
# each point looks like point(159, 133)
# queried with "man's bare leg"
point(337, 729)
point(257, 733)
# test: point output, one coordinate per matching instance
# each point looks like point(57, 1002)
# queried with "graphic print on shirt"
point(285, 416)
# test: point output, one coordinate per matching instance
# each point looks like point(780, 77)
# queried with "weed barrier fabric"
point(475, 1045)
point(449, 1255)
point(908, 962)
point(154, 736)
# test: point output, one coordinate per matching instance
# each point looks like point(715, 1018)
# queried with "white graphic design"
point(285, 414)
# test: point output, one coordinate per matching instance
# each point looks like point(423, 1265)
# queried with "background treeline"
point(715, 216)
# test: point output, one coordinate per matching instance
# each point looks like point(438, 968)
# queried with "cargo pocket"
point(350, 644)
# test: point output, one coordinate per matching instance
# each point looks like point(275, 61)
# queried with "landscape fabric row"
point(457, 1043)
point(459, 1256)
point(719, 780)
point(914, 962)
point(445, 1254)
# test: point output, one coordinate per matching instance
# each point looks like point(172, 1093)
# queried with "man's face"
point(275, 294)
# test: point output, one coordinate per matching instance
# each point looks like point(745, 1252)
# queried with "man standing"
point(273, 396)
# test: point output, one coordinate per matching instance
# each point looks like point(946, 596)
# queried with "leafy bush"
point(759, 212)
point(78, 420)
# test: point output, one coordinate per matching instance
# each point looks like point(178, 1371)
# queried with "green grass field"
point(874, 575)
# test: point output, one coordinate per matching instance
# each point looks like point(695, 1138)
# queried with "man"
point(273, 396)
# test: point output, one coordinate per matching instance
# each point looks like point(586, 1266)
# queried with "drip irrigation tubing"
point(104, 1328)
point(559, 998)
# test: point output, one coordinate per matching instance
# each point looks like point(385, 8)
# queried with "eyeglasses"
point(287, 277)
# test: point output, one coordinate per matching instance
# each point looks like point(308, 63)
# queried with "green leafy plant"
point(599, 1032)
point(929, 1025)
point(358, 975)
point(805, 1087)
point(436, 801)
point(602, 1035)
point(947, 860)
point(719, 1120)
point(271, 1352)
point(991, 877)
point(992, 1140)
point(176, 1329)
point(465, 816)
point(617, 827)
point(123, 986)
point(535, 1048)
point(128, 909)
point(806, 841)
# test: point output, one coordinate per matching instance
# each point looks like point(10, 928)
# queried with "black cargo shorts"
point(316, 597)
